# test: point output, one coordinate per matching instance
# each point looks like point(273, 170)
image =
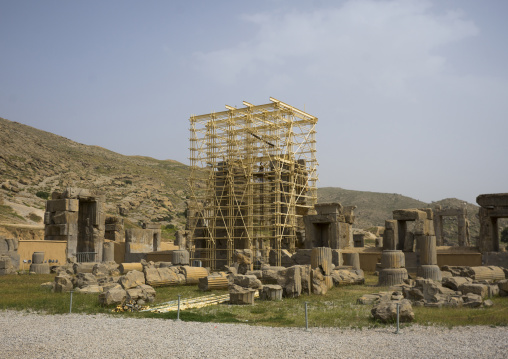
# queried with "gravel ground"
point(25, 335)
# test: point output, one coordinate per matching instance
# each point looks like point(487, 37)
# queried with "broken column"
point(38, 266)
point(321, 257)
point(427, 254)
point(393, 271)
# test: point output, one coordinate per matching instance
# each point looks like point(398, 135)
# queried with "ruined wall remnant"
point(139, 241)
point(76, 216)
point(114, 229)
point(462, 224)
point(492, 207)
point(422, 220)
point(332, 226)
point(9, 256)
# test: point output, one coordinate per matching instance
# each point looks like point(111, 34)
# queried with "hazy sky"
point(411, 96)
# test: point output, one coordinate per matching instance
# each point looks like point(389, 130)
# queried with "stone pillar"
point(321, 257)
point(390, 235)
point(487, 226)
point(108, 253)
point(351, 259)
point(461, 226)
point(426, 249)
point(438, 229)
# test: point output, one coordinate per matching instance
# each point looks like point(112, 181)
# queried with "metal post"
point(70, 306)
point(306, 319)
point(178, 312)
point(398, 312)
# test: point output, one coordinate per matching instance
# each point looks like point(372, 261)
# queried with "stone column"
point(461, 226)
point(390, 235)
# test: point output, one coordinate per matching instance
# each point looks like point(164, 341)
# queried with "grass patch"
point(337, 308)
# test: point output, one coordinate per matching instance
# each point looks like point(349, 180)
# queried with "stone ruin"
point(9, 257)
point(332, 226)
point(139, 241)
point(77, 217)
point(492, 207)
point(462, 224)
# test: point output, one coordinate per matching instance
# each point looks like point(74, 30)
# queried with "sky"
point(411, 96)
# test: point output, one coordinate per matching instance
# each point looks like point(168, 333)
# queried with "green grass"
point(337, 308)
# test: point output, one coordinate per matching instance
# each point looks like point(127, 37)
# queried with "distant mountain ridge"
point(34, 163)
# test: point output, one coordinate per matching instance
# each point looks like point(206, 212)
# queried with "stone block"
point(241, 296)
point(271, 292)
point(115, 295)
point(455, 282)
point(60, 229)
point(409, 215)
point(63, 283)
point(328, 208)
point(132, 279)
point(493, 200)
point(181, 257)
point(248, 281)
point(386, 311)
point(57, 205)
point(478, 289)
point(42, 268)
point(65, 217)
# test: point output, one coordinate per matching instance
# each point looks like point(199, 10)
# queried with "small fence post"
point(70, 306)
point(398, 313)
point(306, 318)
point(178, 312)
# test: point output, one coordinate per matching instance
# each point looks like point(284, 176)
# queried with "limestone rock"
point(480, 289)
point(63, 283)
point(386, 311)
point(132, 279)
point(91, 289)
point(114, 295)
point(472, 300)
point(271, 292)
point(318, 282)
point(344, 277)
point(455, 282)
point(248, 281)
point(84, 280)
point(293, 282)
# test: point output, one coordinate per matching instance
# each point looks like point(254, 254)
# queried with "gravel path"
point(25, 335)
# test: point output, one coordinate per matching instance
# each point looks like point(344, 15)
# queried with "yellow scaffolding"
point(253, 176)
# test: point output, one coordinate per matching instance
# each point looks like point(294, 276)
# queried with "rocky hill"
point(34, 163)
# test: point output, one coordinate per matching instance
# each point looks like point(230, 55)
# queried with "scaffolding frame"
point(259, 170)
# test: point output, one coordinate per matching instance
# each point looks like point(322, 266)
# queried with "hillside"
point(34, 163)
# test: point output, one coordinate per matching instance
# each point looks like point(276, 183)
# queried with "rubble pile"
point(458, 288)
